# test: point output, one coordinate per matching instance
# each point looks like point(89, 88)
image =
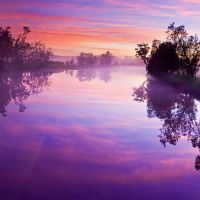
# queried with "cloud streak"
point(104, 24)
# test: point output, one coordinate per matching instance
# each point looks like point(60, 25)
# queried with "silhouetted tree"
point(187, 48)
point(37, 54)
point(164, 59)
point(179, 54)
point(6, 44)
point(176, 34)
point(106, 59)
point(142, 52)
point(18, 51)
point(86, 59)
point(155, 46)
point(21, 47)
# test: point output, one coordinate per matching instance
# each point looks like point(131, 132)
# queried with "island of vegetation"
point(175, 61)
point(179, 54)
point(89, 59)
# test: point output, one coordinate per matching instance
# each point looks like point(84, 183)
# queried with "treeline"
point(179, 53)
point(18, 51)
point(89, 59)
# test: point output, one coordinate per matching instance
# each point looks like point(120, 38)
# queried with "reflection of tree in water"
point(17, 86)
point(177, 110)
point(86, 74)
point(89, 74)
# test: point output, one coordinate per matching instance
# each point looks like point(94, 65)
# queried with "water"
point(103, 133)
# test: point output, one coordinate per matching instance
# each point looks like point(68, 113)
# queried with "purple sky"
point(72, 26)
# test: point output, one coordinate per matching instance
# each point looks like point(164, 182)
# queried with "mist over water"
point(97, 133)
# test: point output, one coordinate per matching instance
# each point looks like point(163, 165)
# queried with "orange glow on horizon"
point(102, 25)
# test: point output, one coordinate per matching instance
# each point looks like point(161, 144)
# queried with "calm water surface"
point(93, 134)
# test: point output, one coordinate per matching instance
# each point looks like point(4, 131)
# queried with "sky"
point(73, 26)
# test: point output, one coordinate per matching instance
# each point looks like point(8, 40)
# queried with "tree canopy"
point(88, 59)
point(18, 51)
point(179, 53)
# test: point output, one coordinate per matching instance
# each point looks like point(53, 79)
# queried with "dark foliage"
point(17, 51)
point(179, 54)
point(85, 59)
point(106, 59)
point(142, 52)
point(164, 60)
point(88, 59)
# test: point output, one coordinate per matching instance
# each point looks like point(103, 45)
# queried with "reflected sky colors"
point(83, 137)
point(70, 27)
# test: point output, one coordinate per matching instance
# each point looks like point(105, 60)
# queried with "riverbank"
point(186, 84)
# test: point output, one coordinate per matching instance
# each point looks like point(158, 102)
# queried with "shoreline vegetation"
point(179, 54)
point(176, 59)
point(18, 53)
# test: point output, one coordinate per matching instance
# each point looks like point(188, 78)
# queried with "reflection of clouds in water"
point(76, 139)
point(113, 157)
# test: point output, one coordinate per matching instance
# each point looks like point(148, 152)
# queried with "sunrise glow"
point(70, 27)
